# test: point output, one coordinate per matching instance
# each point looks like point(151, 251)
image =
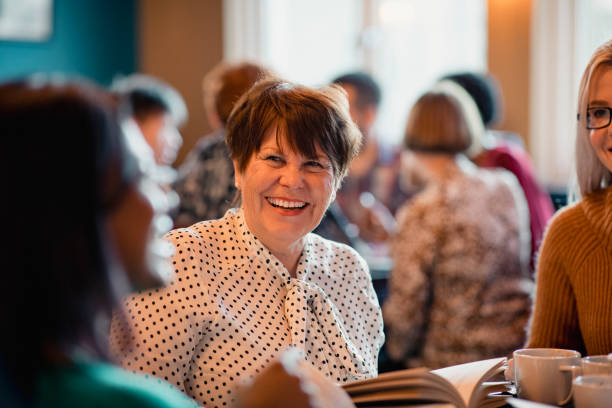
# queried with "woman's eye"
point(316, 164)
point(273, 158)
point(598, 113)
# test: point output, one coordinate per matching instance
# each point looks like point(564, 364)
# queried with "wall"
point(179, 42)
point(93, 38)
point(508, 59)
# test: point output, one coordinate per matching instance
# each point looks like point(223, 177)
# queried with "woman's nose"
point(292, 177)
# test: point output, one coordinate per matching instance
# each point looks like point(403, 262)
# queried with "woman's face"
point(601, 96)
point(162, 135)
point(139, 221)
point(284, 194)
point(130, 225)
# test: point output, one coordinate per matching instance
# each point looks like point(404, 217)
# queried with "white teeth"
point(286, 204)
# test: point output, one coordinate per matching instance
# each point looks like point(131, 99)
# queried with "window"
point(564, 36)
point(405, 44)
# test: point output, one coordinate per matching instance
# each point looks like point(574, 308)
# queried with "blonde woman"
point(573, 303)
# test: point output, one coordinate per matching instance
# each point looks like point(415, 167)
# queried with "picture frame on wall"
point(26, 20)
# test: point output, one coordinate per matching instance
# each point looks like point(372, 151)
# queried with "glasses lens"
point(598, 118)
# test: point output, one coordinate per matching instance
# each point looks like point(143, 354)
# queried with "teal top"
point(100, 385)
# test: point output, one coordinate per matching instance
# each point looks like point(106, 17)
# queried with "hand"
point(292, 382)
point(275, 387)
point(375, 222)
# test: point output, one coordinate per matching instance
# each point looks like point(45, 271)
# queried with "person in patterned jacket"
point(460, 286)
point(205, 183)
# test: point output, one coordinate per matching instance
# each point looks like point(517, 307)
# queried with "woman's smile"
point(284, 193)
point(287, 205)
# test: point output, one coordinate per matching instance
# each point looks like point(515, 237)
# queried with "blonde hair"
point(591, 174)
point(440, 121)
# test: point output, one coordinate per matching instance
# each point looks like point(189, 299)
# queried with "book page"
point(402, 386)
point(459, 385)
point(467, 377)
point(389, 376)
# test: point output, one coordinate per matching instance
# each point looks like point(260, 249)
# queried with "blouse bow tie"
point(317, 330)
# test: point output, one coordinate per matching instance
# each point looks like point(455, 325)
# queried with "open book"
point(467, 385)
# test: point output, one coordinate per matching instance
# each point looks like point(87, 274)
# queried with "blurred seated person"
point(371, 193)
point(574, 280)
point(459, 288)
point(206, 178)
point(257, 281)
point(505, 149)
point(102, 214)
point(158, 109)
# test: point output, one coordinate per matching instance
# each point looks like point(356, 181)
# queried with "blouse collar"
point(256, 249)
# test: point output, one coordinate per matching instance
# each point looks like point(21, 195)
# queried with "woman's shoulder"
point(328, 252)
point(566, 226)
point(204, 231)
point(104, 385)
point(590, 219)
point(569, 217)
point(568, 241)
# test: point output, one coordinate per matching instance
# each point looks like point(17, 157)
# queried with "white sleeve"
point(157, 331)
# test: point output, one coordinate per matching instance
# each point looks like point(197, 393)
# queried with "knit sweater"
point(573, 303)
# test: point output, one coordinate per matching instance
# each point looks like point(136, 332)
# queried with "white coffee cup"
point(593, 391)
point(601, 364)
point(545, 374)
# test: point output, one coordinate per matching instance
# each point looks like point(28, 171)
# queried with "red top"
point(513, 158)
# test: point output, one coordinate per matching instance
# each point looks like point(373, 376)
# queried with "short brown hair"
point(309, 118)
point(226, 83)
point(437, 124)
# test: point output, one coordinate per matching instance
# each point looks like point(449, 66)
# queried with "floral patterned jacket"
point(459, 289)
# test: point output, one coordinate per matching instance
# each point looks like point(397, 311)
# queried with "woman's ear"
point(237, 175)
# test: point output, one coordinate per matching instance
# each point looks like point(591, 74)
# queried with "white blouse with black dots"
point(232, 307)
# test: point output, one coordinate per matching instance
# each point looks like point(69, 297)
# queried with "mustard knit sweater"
point(573, 303)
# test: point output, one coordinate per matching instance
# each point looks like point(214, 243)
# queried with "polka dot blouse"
point(232, 307)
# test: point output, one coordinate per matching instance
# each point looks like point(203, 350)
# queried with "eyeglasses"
point(598, 118)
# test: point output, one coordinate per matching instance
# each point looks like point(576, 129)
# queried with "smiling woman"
point(284, 195)
point(574, 284)
point(295, 156)
point(257, 281)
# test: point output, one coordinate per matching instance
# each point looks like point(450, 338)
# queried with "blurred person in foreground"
point(257, 281)
point(503, 149)
point(102, 214)
point(205, 183)
point(371, 193)
point(573, 306)
point(459, 288)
